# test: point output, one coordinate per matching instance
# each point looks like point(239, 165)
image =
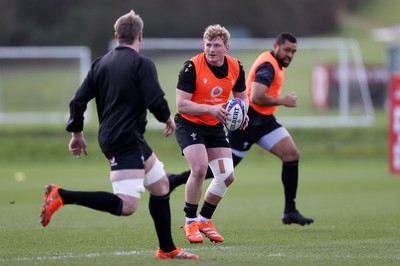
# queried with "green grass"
point(345, 185)
point(39, 88)
point(354, 203)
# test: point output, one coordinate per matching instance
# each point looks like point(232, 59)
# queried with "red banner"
point(394, 124)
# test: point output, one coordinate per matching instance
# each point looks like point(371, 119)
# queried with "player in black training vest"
point(124, 84)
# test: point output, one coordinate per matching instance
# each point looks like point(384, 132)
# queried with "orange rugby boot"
point(192, 233)
point(52, 202)
point(178, 253)
point(209, 230)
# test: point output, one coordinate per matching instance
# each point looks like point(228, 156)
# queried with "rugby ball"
point(237, 114)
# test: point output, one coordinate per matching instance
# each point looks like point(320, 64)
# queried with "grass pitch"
point(344, 186)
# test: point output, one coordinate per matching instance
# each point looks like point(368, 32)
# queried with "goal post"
point(31, 79)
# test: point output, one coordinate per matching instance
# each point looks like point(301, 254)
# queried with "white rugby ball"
point(237, 114)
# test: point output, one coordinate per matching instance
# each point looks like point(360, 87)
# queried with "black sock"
point(236, 159)
point(176, 180)
point(209, 174)
point(101, 201)
point(161, 213)
point(207, 210)
point(290, 179)
point(190, 210)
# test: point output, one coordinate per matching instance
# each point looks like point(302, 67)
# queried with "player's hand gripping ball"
point(237, 114)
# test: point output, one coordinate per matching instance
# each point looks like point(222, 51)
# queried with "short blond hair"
point(128, 26)
point(216, 30)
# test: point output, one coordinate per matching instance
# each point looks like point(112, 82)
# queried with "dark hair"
point(285, 36)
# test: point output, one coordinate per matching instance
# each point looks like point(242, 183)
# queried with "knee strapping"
point(155, 173)
point(222, 168)
point(130, 187)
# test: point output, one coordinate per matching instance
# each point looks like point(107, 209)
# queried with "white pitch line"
point(75, 256)
point(115, 253)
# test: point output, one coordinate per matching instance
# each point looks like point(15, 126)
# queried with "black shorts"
point(188, 133)
point(259, 125)
point(132, 158)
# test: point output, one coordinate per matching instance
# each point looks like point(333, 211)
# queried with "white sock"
point(202, 219)
point(189, 220)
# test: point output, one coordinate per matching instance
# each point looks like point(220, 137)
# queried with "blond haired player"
point(264, 87)
point(205, 84)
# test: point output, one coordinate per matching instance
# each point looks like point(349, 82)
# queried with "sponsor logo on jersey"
point(216, 91)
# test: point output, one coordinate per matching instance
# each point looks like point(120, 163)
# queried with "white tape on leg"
point(155, 173)
point(222, 168)
point(130, 187)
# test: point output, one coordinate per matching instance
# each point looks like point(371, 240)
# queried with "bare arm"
point(260, 97)
point(184, 105)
